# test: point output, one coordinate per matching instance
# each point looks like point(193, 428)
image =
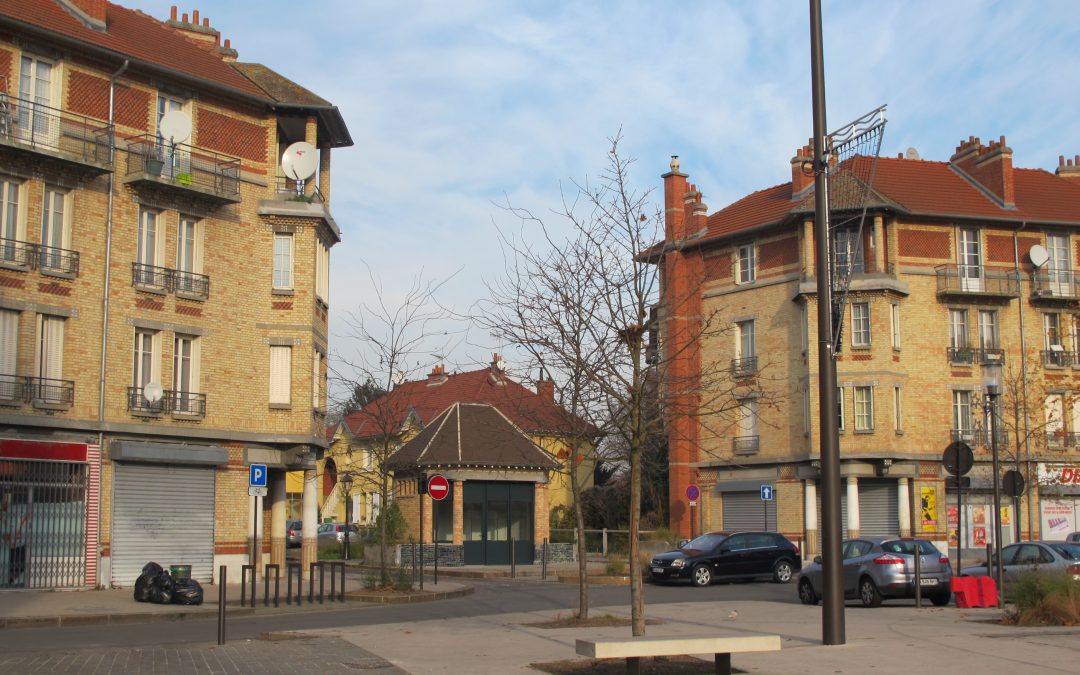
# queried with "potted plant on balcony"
point(154, 166)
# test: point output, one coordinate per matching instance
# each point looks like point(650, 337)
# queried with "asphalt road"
point(491, 597)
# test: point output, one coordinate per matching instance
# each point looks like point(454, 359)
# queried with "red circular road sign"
point(438, 487)
point(692, 492)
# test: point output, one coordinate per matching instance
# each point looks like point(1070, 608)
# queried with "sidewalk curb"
point(61, 621)
point(426, 596)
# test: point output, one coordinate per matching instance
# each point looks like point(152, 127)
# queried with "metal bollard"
point(322, 582)
point(603, 543)
point(221, 605)
point(436, 562)
point(989, 562)
point(311, 582)
point(543, 561)
point(244, 584)
point(266, 584)
point(918, 576)
point(513, 566)
point(289, 567)
point(341, 598)
point(333, 581)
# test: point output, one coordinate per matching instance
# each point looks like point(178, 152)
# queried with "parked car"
point(1073, 538)
point(294, 533)
point(1030, 556)
point(337, 531)
point(720, 555)
point(877, 568)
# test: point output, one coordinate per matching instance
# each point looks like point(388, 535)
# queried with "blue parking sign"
point(257, 475)
point(767, 493)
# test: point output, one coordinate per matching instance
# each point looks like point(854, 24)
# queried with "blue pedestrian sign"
point(767, 493)
point(257, 475)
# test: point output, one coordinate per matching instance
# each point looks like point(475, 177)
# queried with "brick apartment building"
point(943, 280)
point(163, 306)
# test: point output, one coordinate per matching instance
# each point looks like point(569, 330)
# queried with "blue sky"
point(456, 107)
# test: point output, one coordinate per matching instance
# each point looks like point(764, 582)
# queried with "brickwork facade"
point(185, 264)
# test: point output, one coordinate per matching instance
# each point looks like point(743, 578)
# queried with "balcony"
point(1060, 440)
point(1054, 285)
point(55, 134)
point(1057, 357)
point(968, 356)
point(745, 367)
point(180, 404)
point(23, 255)
point(979, 437)
point(47, 392)
point(745, 445)
point(138, 404)
point(183, 168)
point(165, 280)
point(12, 390)
point(976, 281)
point(286, 189)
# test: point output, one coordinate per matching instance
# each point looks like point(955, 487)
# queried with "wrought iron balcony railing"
point(1054, 284)
point(1058, 358)
point(184, 167)
point(53, 131)
point(58, 260)
point(979, 437)
point(745, 445)
point(186, 403)
point(50, 391)
point(190, 284)
point(976, 280)
point(744, 367)
point(138, 403)
point(12, 389)
point(18, 253)
point(975, 355)
point(163, 279)
point(151, 277)
point(26, 255)
point(286, 188)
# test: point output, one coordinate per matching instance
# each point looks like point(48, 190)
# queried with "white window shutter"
point(1054, 422)
point(9, 341)
point(50, 360)
point(280, 374)
point(315, 379)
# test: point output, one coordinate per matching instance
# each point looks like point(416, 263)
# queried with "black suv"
point(720, 555)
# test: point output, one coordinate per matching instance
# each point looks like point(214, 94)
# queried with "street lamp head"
point(346, 482)
point(991, 374)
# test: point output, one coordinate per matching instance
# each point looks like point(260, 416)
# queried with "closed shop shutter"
point(748, 511)
point(879, 508)
point(163, 514)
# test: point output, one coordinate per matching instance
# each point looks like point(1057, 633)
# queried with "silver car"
point(877, 568)
point(1032, 556)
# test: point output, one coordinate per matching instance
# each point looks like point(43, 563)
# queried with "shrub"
point(1045, 599)
point(616, 565)
point(403, 579)
point(396, 527)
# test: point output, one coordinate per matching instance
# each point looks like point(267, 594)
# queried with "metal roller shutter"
point(163, 514)
point(879, 508)
point(748, 511)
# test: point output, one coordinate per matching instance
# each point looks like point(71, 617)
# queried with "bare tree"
point(583, 306)
point(395, 340)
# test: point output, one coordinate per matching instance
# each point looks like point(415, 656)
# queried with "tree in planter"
point(583, 305)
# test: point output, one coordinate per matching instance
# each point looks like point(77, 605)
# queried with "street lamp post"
point(991, 373)
point(346, 487)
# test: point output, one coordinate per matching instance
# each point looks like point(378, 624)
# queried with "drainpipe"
point(1024, 381)
point(105, 291)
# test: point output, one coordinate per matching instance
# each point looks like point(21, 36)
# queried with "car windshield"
point(705, 542)
point(908, 546)
point(1067, 550)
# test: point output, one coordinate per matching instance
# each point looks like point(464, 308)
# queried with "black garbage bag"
point(142, 588)
point(161, 589)
point(152, 569)
point(187, 592)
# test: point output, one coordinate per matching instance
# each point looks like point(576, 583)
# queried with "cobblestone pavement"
point(314, 656)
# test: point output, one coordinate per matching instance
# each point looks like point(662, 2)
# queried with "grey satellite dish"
point(175, 127)
point(912, 153)
point(299, 161)
point(153, 392)
point(1038, 255)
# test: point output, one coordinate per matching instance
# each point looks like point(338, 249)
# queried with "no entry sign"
point(438, 487)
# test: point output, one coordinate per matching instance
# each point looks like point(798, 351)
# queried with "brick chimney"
point(988, 165)
point(546, 389)
point(437, 375)
point(802, 169)
point(90, 12)
point(675, 189)
point(202, 34)
point(1069, 169)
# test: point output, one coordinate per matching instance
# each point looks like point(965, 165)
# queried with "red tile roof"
point(428, 398)
point(920, 188)
point(133, 34)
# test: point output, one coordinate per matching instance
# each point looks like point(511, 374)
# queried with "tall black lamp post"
point(346, 488)
point(991, 373)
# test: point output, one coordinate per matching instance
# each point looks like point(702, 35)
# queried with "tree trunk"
point(384, 577)
point(637, 599)
point(583, 567)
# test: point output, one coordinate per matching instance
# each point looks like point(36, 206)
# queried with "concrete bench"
point(633, 648)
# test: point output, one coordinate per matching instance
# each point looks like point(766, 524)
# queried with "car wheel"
point(702, 575)
point(807, 594)
point(941, 599)
point(782, 572)
point(868, 593)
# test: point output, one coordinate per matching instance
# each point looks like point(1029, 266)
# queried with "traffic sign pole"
point(257, 485)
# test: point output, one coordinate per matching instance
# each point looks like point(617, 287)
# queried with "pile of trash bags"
point(156, 585)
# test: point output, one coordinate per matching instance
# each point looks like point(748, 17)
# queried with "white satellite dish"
point(912, 153)
point(299, 161)
point(175, 127)
point(500, 364)
point(399, 376)
point(1038, 255)
point(153, 392)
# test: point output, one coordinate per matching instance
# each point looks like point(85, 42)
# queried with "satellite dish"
point(299, 161)
point(1038, 255)
point(912, 153)
point(500, 364)
point(175, 126)
point(399, 376)
point(153, 392)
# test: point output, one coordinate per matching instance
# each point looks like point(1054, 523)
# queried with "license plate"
point(660, 570)
point(928, 582)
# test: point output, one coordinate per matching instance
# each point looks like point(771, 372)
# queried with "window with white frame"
point(38, 82)
point(49, 357)
point(963, 417)
point(840, 408)
point(55, 229)
point(894, 317)
point(186, 367)
point(864, 408)
point(1054, 410)
point(847, 252)
point(988, 329)
point(12, 222)
point(283, 261)
point(149, 248)
point(317, 379)
point(146, 363)
point(958, 331)
point(188, 245)
point(747, 264)
point(280, 375)
point(747, 417)
point(898, 410)
point(745, 347)
point(1053, 343)
point(860, 324)
point(322, 271)
point(177, 159)
point(9, 352)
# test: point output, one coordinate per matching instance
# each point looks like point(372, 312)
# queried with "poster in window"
point(978, 515)
point(929, 509)
point(978, 534)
